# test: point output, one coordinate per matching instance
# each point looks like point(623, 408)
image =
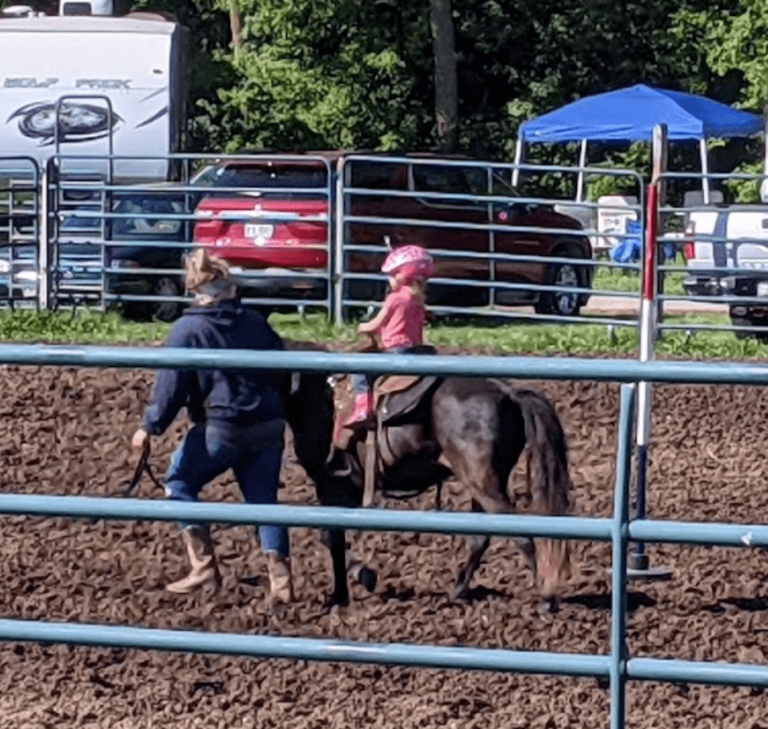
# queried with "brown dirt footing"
point(67, 431)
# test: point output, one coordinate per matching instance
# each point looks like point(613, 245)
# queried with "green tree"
point(732, 65)
point(318, 74)
point(732, 41)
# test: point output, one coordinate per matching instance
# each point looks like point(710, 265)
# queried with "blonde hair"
point(418, 287)
point(209, 278)
point(203, 270)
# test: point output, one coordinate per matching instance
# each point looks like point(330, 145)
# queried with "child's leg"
point(361, 384)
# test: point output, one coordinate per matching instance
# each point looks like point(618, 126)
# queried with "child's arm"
point(375, 325)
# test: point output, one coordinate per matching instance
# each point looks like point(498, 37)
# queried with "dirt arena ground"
point(67, 431)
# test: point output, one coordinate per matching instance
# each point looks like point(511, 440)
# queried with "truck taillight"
point(208, 229)
point(689, 249)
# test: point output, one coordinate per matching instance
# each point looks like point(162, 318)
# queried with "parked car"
point(158, 231)
point(299, 243)
point(80, 251)
point(270, 246)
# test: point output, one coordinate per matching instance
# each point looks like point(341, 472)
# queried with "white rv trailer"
point(113, 84)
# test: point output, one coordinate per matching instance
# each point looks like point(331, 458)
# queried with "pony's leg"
point(492, 501)
point(356, 569)
point(477, 548)
point(336, 542)
point(488, 497)
point(439, 496)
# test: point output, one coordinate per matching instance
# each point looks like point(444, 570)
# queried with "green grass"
point(84, 327)
point(479, 335)
point(618, 279)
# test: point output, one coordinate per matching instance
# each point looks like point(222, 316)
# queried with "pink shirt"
point(403, 323)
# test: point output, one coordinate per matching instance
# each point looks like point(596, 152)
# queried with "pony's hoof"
point(333, 604)
point(367, 578)
point(459, 592)
point(550, 605)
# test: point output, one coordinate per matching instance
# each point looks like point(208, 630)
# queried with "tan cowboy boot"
point(280, 583)
point(204, 568)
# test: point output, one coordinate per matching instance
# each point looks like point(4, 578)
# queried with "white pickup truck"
point(737, 264)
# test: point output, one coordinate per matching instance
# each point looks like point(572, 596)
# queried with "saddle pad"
point(395, 383)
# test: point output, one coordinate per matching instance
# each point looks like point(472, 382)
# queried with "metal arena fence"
point(67, 237)
point(617, 666)
point(310, 231)
point(20, 234)
point(496, 245)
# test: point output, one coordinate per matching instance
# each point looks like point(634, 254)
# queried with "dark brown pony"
point(472, 429)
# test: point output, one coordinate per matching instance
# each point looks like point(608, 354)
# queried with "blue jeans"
point(363, 383)
point(254, 453)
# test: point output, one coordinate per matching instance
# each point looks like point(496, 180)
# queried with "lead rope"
point(142, 467)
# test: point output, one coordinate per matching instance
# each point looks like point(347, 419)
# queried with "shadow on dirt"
point(602, 601)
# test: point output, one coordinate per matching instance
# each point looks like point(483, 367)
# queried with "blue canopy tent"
point(630, 115)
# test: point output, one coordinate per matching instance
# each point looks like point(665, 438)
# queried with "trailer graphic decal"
point(77, 122)
point(159, 115)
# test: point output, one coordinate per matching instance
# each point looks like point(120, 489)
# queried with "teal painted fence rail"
point(538, 368)
point(618, 666)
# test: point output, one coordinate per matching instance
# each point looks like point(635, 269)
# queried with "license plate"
point(255, 231)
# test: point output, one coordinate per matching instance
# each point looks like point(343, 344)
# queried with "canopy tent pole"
point(582, 165)
point(519, 156)
point(705, 171)
point(660, 156)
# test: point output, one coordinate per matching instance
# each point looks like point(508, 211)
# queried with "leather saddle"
point(398, 400)
point(396, 397)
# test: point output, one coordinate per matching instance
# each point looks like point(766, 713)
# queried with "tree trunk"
point(446, 84)
point(234, 24)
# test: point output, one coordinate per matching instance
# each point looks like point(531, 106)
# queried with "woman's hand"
point(139, 438)
point(364, 327)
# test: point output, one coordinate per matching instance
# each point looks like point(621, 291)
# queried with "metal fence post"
point(660, 155)
point(620, 536)
point(331, 228)
point(44, 241)
point(338, 257)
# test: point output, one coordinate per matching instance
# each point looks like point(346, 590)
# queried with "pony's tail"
point(547, 453)
point(549, 481)
point(550, 486)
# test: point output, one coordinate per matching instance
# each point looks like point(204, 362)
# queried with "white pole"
point(519, 156)
point(582, 165)
point(44, 242)
point(705, 171)
point(638, 560)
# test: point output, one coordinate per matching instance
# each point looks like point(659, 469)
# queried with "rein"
point(142, 467)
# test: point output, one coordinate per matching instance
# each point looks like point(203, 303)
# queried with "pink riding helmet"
point(408, 264)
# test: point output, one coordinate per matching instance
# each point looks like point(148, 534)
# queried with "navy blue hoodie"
point(243, 396)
